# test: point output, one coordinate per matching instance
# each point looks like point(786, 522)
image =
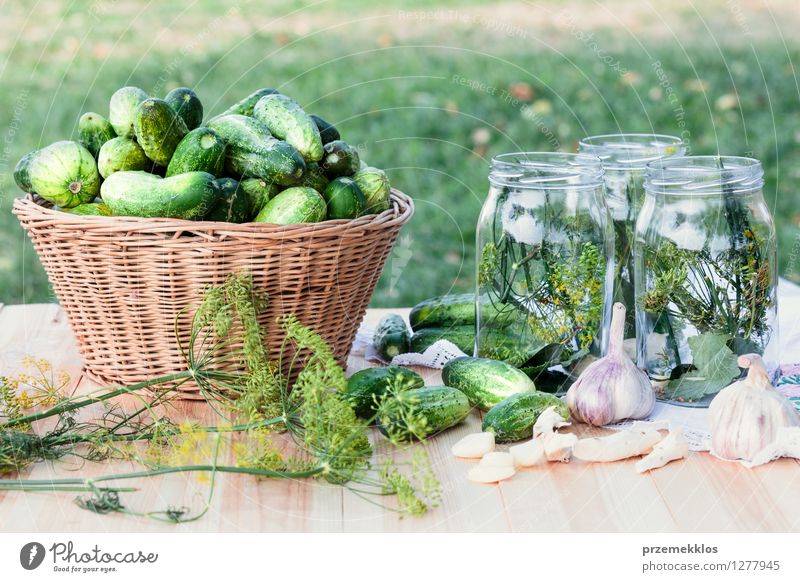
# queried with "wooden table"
point(699, 494)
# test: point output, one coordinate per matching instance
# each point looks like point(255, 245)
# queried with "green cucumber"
point(314, 178)
point(246, 105)
point(463, 336)
point(327, 131)
point(202, 150)
point(485, 382)
point(188, 196)
point(457, 309)
point(122, 154)
point(252, 151)
point(391, 337)
point(444, 311)
point(94, 130)
point(376, 188)
point(512, 419)
point(65, 174)
point(122, 109)
point(258, 192)
point(339, 159)
point(366, 387)
point(344, 199)
point(287, 121)
point(440, 406)
point(233, 205)
point(158, 129)
point(21, 176)
point(293, 206)
point(90, 209)
point(187, 105)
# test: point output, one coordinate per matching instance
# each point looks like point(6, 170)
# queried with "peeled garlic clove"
point(746, 416)
point(489, 474)
point(497, 460)
point(620, 445)
point(672, 447)
point(528, 454)
point(558, 446)
point(548, 421)
point(474, 446)
point(612, 388)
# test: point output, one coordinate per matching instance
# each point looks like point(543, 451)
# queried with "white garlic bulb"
point(612, 388)
point(747, 415)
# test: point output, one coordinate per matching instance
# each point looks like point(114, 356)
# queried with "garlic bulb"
point(747, 415)
point(612, 388)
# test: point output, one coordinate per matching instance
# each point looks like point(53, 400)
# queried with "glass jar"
point(706, 275)
point(625, 157)
point(545, 249)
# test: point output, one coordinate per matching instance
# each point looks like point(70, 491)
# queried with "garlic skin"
point(612, 388)
point(747, 416)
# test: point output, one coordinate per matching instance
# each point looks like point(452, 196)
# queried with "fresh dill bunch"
point(331, 432)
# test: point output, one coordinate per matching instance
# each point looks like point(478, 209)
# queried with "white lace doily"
point(436, 356)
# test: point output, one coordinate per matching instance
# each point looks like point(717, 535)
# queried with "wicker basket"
point(123, 280)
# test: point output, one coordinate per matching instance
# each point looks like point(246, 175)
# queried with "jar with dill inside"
point(706, 275)
point(625, 157)
point(545, 252)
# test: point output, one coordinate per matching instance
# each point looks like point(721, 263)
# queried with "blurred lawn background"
point(428, 90)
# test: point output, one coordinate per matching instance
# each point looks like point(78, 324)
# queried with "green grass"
point(386, 80)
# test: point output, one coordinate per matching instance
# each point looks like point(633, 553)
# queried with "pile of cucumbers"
point(264, 159)
point(508, 397)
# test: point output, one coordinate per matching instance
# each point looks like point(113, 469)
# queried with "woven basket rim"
point(35, 208)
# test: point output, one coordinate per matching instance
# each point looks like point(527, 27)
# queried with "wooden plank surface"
point(700, 494)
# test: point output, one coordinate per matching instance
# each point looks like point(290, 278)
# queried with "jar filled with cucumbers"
point(545, 264)
point(625, 157)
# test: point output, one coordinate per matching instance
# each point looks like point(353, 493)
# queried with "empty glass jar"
point(706, 275)
point(545, 251)
point(625, 157)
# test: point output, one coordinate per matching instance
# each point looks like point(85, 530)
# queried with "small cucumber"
point(122, 154)
point(94, 130)
point(233, 206)
point(344, 199)
point(122, 109)
point(202, 150)
point(463, 336)
point(245, 106)
point(90, 209)
point(327, 131)
point(512, 419)
point(444, 311)
point(485, 382)
point(158, 129)
point(376, 188)
point(188, 196)
point(440, 406)
point(391, 337)
point(366, 387)
point(252, 151)
point(340, 159)
point(21, 176)
point(64, 173)
point(258, 192)
point(287, 121)
point(187, 105)
point(314, 178)
point(293, 206)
